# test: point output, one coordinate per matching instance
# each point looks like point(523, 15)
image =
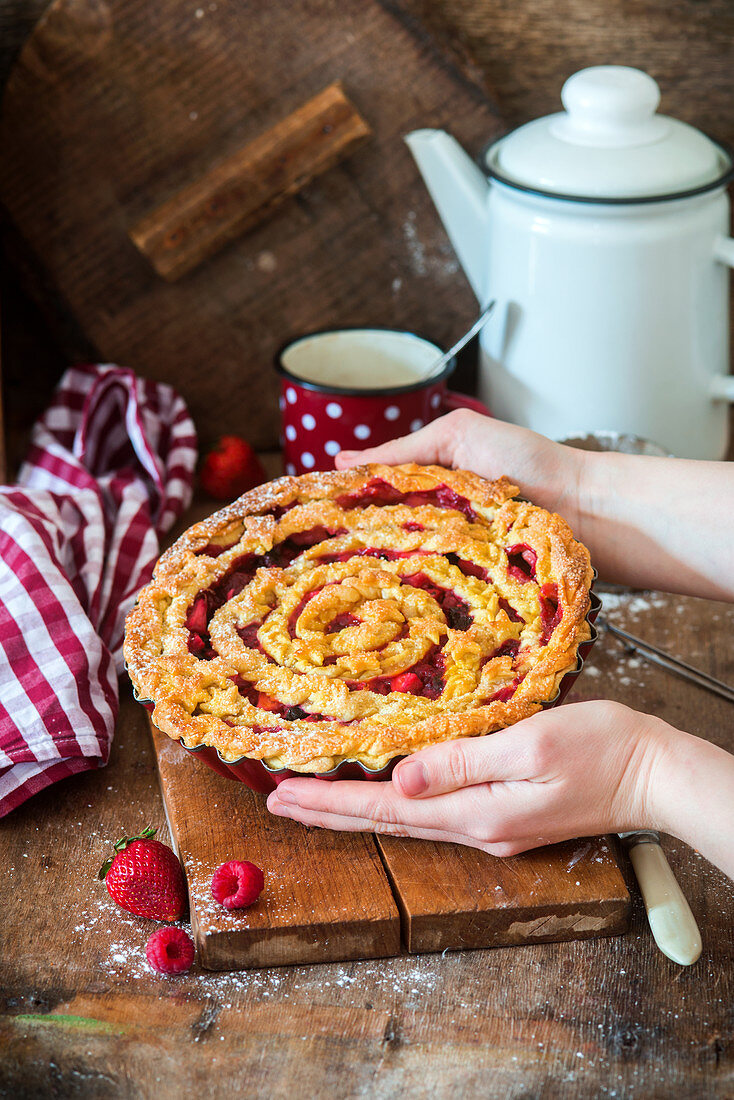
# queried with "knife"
point(672, 923)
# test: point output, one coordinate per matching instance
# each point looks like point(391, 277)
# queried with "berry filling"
point(425, 678)
point(408, 682)
point(340, 622)
point(371, 552)
point(457, 611)
point(201, 647)
point(522, 560)
point(508, 648)
point(280, 510)
point(248, 634)
point(550, 612)
point(264, 701)
point(506, 692)
point(283, 553)
point(509, 610)
point(213, 549)
point(380, 492)
point(206, 603)
point(296, 612)
point(410, 526)
point(468, 568)
point(198, 615)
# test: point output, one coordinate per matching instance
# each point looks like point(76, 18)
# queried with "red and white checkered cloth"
point(109, 470)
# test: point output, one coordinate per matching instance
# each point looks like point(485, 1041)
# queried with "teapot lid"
point(609, 145)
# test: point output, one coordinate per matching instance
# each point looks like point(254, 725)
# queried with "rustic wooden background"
point(517, 51)
point(82, 1015)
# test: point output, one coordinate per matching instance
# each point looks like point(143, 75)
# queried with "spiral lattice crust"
point(359, 615)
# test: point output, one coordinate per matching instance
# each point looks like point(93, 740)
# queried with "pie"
point(359, 615)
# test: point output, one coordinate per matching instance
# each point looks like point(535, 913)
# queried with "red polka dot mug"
point(347, 389)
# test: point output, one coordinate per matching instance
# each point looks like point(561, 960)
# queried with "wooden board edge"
point(519, 928)
point(496, 927)
point(308, 945)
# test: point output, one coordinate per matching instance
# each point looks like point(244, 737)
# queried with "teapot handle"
point(722, 385)
point(724, 250)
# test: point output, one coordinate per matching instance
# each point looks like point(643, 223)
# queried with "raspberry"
point(407, 682)
point(170, 951)
point(237, 884)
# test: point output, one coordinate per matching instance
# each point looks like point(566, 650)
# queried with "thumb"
point(496, 757)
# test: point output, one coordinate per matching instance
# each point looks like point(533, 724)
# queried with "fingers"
point(501, 820)
point(363, 801)
point(379, 807)
point(345, 823)
point(496, 757)
point(435, 443)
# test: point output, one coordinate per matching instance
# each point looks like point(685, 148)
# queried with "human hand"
point(625, 508)
point(578, 770)
point(546, 472)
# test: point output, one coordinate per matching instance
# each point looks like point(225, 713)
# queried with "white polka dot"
point(290, 395)
point(435, 400)
point(362, 431)
point(290, 469)
point(392, 412)
point(307, 460)
point(333, 410)
point(331, 447)
point(290, 432)
point(415, 425)
point(308, 422)
point(281, 403)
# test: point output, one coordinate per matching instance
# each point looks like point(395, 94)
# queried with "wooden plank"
point(451, 897)
point(100, 125)
point(250, 185)
point(83, 1015)
point(326, 895)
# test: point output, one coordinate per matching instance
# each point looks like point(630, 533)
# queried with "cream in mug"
point(361, 359)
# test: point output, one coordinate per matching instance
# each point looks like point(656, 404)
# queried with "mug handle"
point(454, 400)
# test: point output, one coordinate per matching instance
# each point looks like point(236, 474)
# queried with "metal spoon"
point(478, 324)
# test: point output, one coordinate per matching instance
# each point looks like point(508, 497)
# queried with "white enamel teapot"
point(602, 232)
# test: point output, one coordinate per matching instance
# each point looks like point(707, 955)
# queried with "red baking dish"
point(256, 775)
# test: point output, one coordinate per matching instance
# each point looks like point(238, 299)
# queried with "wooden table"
point(84, 1016)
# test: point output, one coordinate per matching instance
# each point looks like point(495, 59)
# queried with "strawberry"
point(145, 878)
point(196, 618)
point(230, 469)
point(170, 951)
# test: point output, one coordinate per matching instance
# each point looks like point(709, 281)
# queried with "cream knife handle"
point(671, 921)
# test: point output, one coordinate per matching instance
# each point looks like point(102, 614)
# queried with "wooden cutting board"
point(175, 212)
point(332, 896)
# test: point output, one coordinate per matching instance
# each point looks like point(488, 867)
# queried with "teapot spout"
point(459, 190)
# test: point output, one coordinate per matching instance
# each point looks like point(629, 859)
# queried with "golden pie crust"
point(273, 630)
